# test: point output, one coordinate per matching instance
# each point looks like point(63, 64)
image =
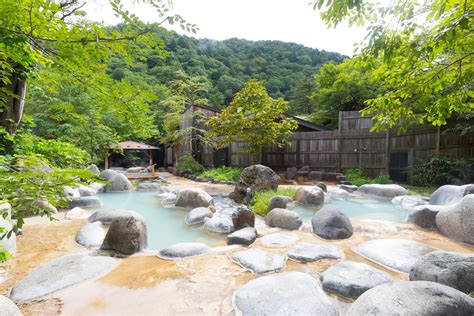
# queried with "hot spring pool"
point(166, 225)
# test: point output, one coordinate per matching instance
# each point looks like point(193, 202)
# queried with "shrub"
point(357, 178)
point(382, 179)
point(440, 170)
point(259, 203)
point(223, 173)
point(188, 162)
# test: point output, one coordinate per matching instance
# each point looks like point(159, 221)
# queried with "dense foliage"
point(187, 162)
point(223, 173)
point(259, 203)
point(357, 177)
point(440, 170)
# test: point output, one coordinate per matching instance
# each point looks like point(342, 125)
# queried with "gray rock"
point(330, 222)
point(8, 308)
point(142, 187)
point(450, 194)
point(309, 252)
point(322, 186)
point(184, 250)
point(86, 202)
point(31, 164)
point(242, 217)
point(351, 279)
point(278, 201)
point(219, 223)
point(167, 197)
point(332, 176)
point(92, 235)
point(135, 170)
point(45, 205)
point(71, 194)
point(339, 194)
point(349, 188)
point(93, 168)
point(423, 216)
point(398, 254)
point(283, 218)
point(304, 169)
point(291, 173)
point(310, 196)
point(5, 208)
point(316, 175)
point(98, 187)
point(382, 190)
point(257, 178)
point(412, 298)
point(260, 261)
point(127, 235)
point(408, 202)
point(59, 274)
point(118, 183)
point(244, 236)
point(278, 240)
point(7, 243)
point(108, 174)
point(77, 213)
point(86, 191)
point(292, 293)
point(197, 215)
point(453, 269)
point(457, 221)
point(193, 198)
point(107, 216)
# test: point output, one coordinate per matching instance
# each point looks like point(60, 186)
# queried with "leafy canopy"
point(254, 118)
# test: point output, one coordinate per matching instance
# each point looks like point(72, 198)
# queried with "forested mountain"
point(224, 66)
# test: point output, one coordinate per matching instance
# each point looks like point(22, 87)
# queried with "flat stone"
point(244, 236)
point(184, 250)
point(309, 252)
point(351, 279)
point(292, 293)
point(143, 187)
point(107, 216)
point(260, 261)
point(197, 215)
point(283, 218)
point(453, 269)
point(8, 308)
point(278, 240)
point(59, 274)
point(92, 235)
point(398, 254)
point(412, 298)
point(382, 190)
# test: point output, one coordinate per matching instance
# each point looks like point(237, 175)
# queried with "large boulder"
point(71, 194)
point(8, 308)
point(260, 261)
point(450, 194)
point(382, 190)
point(278, 201)
point(453, 269)
point(338, 194)
point(242, 217)
point(316, 175)
point(291, 173)
point(408, 202)
point(107, 216)
point(309, 252)
point(330, 222)
point(92, 235)
point(127, 235)
point(118, 183)
point(412, 298)
point(86, 202)
point(219, 223)
point(244, 236)
point(351, 279)
point(86, 191)
point(333, 176)
point(457, 220)
point(283, 218)
point(310, 196)
point(193, 198)
point(77, 213)
point(424, 215)
point(292, 293)
point(256, 178)
point(184, 250)
point(108, 174)
point(197, 215)
point(93, 168)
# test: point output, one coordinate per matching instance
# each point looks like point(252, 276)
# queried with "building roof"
point(136, 146)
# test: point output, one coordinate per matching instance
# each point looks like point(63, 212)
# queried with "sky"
point(284, 20)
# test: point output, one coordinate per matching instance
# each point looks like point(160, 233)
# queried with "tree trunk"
point(15, 102)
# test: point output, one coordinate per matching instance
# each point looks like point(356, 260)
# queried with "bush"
point(357, 178)
point(223, 173)
point(187, 162)
point(259, 203)
point(440, 170)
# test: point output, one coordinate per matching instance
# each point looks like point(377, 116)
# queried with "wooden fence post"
point(339, 144)
point(387, 152)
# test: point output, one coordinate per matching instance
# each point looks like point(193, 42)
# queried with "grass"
point(259, 203)
point(357, 178)
point(423, 191)
point(223, 173)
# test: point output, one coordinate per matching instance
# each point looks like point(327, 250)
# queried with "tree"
point(425, 57)
point(254, 118)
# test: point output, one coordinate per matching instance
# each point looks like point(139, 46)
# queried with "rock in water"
point(424, 216)
point(382, 190)
point(197, 215)
point(450, 194)
point(127, 235)
point(310, 196)
point(339, 194)
point(193, 198)
point(408, 202)
point(283, 218)
point(278, 201)
point(242, 217)
point(453, 269)
point(398, 254)
point(93, 168)
point(92, 235)
point(8, 308)
point(59, 274)
point(86, 202)
point(219, 223)
point(119, 183)
point(107, 216)
point(457, 221)
point(351, 279)
point(412, 298)
point(331, 223)
point(292, 293)
point(308, 252)
point(244, 236)
point(257, 178)
point(260, 261)
point(184, 250)
point(108, 174)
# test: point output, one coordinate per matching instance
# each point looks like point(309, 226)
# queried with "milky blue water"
point(166, 225)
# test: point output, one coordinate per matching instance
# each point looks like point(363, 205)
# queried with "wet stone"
point(278, 240)
point(309, 252)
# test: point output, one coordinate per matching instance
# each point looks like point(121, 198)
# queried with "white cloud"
point(285, 20)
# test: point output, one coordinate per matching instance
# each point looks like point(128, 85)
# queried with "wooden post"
point(387, 152)
point(438, 140)
point(107, 160)
point(339, 145)
point(298, 152)
point(150, 158)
